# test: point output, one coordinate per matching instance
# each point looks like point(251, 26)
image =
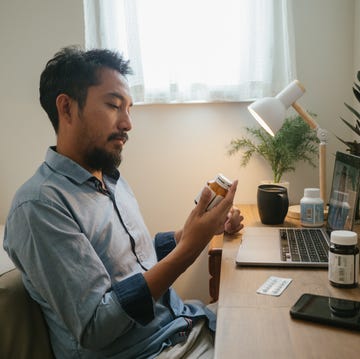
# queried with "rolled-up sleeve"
point(135, 298)
point(164, 243)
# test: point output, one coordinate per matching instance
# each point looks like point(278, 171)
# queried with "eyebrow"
point(119, 96)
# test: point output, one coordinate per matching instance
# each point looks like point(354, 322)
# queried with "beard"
point(106, 161)
point(99, 159)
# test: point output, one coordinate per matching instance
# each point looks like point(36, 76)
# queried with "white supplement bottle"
point(312, 208)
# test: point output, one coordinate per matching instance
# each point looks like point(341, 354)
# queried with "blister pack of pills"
point(274, 286)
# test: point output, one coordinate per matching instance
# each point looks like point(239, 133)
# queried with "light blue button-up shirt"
point(82, 252)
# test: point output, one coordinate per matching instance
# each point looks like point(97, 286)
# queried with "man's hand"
point(234, 222)
point(199, 228)
point(232, 225)
point(202, 225)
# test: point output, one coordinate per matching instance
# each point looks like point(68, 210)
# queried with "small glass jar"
point(343, 259)
point(312, 208)
point(219, 187)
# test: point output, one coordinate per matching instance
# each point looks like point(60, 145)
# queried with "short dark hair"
point(72, 71)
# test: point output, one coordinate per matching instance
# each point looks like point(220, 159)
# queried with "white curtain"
point(197, 50)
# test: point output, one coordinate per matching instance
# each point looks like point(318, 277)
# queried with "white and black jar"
point(344, 259)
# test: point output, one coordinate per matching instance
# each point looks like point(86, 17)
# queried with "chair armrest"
point(214, 253)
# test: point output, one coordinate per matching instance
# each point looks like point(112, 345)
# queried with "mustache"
point(123, 136)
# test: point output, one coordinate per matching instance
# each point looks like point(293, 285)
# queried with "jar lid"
point(312, 192)
point(346, 238)
point(223, 181)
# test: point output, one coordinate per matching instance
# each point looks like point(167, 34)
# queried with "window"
point(197, 50)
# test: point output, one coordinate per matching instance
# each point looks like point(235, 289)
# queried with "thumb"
point(204, 200)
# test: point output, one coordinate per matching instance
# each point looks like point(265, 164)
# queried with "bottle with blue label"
point(312, 208)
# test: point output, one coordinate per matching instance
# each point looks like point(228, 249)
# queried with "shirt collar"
point(69, 168)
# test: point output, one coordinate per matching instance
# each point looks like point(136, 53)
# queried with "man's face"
point(102, 125)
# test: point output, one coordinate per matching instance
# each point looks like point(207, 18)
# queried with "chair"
point(23, 331)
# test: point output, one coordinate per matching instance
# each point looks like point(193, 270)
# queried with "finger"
point(234, 213)
point(233, 226)
point(234, 219)
point(221, 212)
point(227, 202)
point(232, 189)
point(204, 200)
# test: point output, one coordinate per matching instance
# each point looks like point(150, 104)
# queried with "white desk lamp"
point(270, 112)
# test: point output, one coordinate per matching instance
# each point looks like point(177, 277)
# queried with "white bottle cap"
point(223, 181)
point(312, 192)
point(346, 238)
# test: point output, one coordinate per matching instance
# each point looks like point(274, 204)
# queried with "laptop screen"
point(343, 201)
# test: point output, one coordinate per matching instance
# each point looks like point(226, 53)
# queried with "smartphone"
point(327, 310)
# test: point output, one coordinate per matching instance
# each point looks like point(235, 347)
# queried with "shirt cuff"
point(135, 298)
point(164, 243)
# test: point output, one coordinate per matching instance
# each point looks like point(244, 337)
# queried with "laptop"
point(306, 247)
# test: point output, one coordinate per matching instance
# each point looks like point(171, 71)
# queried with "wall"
point(173, 149)
point(30, 33)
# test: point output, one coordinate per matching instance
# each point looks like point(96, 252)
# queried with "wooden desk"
point(252, 325)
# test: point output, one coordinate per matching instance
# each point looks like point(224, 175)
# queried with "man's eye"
point(112, 105)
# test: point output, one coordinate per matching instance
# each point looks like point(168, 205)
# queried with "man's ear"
point(64, 105)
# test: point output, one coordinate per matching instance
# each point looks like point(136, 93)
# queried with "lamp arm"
point(306, 117)
point(322, 171)
point(322, 136)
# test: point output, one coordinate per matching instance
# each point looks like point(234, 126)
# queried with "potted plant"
point(294, 142)
point(353, 146)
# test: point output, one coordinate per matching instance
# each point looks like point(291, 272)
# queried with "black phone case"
point(347, 315)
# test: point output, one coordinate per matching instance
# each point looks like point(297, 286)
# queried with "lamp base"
point(294, 212)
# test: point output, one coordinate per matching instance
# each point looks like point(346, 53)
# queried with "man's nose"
point(124, 121)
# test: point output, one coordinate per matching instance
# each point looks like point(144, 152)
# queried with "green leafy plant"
point(294, 142)
point(353, 146)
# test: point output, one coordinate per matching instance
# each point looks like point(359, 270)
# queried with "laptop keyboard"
point(303, 245)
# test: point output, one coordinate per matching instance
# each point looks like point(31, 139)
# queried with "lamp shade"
point(270, 112)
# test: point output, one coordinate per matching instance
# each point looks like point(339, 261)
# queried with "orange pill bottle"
point(219, 186)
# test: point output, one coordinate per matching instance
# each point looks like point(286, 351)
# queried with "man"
point(75, 230)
